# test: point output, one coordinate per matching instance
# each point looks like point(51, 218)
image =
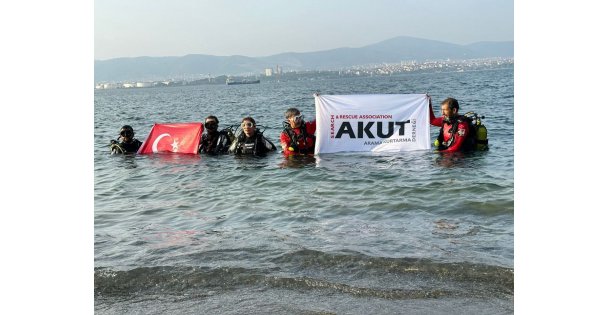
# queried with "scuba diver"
point(251, 141)
point(298, 136)
point(127, 143)
point(458, 132)
point(214, 141)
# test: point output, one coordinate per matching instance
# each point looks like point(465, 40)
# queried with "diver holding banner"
point(458, 133)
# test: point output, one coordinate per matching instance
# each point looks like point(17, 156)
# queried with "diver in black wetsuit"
point(127, 143)
point(251, 141)
point(214, 141)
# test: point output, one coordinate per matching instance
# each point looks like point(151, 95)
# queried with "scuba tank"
point(482, 137)
point(481, 132)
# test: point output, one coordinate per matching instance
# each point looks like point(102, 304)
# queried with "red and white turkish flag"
point(175, 137)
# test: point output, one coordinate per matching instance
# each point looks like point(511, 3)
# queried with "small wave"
point(348, 273)
point(391, 294)
point(177, 281)
point(463, 271)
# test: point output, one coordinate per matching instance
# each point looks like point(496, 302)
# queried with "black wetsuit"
point(127, 147)
point(256, 145)
point(215, 143)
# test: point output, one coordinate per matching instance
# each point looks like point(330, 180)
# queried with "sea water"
point(348, 233)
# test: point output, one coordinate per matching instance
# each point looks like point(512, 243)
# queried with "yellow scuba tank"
point(481, 132)
point(482, 136)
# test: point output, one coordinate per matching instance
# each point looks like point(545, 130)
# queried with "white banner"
point(372, 122)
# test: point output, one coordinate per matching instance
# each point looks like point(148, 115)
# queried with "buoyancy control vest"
point(477, 139)
point(124, 147)
point(256, 145)
point(218, 143)
point(303, 138)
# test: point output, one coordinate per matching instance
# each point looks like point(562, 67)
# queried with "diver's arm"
point(435, 121)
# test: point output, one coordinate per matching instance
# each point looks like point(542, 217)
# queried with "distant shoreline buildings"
point(278, 74)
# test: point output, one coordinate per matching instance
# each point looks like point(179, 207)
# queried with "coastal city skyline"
point(277, 73)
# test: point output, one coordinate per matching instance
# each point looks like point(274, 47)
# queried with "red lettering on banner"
point(331, 126)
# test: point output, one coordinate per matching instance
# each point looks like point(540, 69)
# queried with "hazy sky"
point(130, 28)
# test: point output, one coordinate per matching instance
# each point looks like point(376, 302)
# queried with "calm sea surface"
point(399, 233)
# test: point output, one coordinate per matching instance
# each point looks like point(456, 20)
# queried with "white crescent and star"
point(155, 144)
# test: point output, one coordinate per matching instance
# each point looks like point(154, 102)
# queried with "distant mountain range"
point(389, 51)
